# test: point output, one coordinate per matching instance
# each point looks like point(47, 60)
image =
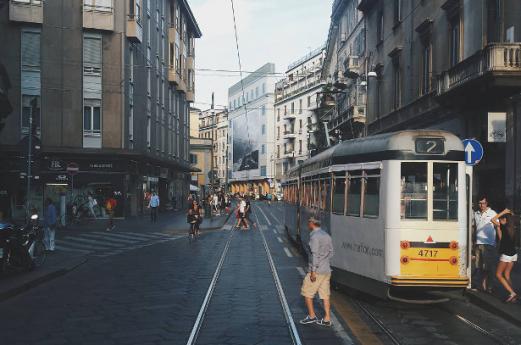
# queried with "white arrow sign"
point(469, 149)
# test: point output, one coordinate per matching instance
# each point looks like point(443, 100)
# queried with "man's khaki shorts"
point(321, 285)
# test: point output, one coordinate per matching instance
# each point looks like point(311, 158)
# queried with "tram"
point(395, 205)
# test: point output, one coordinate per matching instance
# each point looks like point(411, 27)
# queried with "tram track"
point(202, 314)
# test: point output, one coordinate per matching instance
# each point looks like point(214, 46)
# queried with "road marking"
point(110, 239)
point(94, 242)
point(285, 306)
point(288, 253)
point(200, 316)
point(84, 246)
point(264, 214)
point(301, 271)
point(126, 235)
point(274, 231)
point(67, 249)
point(280, 239)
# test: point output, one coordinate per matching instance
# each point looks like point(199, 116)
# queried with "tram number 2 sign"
point(428, 253)
point(433, 146)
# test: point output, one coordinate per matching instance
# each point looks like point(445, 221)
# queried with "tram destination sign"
point(432, 146)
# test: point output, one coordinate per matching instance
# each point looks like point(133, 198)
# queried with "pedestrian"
point(242, 214)
point(91, 204)
point(317, 280)
point(50, 220)
point(248, 213)
point(507, 250)
point(110, 206)
point(215, 203)
point(485, 249)
point(153, 205)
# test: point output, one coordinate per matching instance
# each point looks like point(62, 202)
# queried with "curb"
point(39, 280)
point(494, 308)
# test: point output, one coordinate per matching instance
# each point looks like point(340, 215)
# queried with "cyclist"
point(194, 218)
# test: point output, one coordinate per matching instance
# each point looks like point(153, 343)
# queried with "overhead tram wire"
point(240, 70)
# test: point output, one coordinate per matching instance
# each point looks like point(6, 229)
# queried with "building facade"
point(108, 86)
point(209, 122)
point(201, 160)
point(452, 65)
point(251, 132)
point(345, 73)
point(295, 100)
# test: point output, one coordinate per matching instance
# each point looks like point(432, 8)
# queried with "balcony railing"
point(496, 57)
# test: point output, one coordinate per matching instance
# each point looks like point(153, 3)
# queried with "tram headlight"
point(453, 260)
point(404, 260)
point(405, 245)
point(454, 245)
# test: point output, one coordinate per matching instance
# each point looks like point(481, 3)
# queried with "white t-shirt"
point(242, 206)
point(485, 230)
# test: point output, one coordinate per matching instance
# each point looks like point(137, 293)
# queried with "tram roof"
point(397, 145)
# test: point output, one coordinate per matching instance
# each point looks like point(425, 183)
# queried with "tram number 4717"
point(428, 253)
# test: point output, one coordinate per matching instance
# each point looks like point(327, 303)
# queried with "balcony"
point(175, 78)
point(354, 114)
point(289, 135)
point(134, 29)
point(290, 117)
point(288, 154)
point(98, 17)
point(28, 11)
point(495, 70)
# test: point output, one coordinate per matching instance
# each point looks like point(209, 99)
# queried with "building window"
point(494, 21)
point(263, 170)
point(309, 101)
point(292, 107)
point(278, 151)
point(98, 5)
point(30, 79)
point(263, 110)
point(92, 117)
point(300, 106)
point(285, 110)
point(300, 123)
point(300, 146)
point(263, 149)
point(426, 69)
point(30, 107)
point(380, 28)
point(278, 114)
point(263, 88)
point(454, 52)
point(397, 11)
point(263, 130)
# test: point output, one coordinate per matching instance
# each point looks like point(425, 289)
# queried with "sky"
point(278, 31)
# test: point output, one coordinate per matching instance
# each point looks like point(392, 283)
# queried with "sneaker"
point(324, 323)
point(308, 320)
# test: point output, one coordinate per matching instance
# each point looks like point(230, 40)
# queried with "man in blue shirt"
point(154, 205)
point(50, 220)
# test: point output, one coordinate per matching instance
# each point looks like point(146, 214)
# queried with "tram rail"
point(293, 332)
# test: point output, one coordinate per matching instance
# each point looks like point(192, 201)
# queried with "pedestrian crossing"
point(104, 244)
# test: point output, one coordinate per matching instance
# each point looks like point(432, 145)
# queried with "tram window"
point(354, 195)
point(326, 194)
point(339, 195)
point(414, 191)
point(445, 191)
point(372, 197)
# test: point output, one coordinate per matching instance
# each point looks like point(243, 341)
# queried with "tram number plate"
point(428, 253)
point(430, 145)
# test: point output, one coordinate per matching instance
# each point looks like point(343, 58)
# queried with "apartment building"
point(108, 84)
point(295, 100)
point(452, 65)
point(251, 132)
point(212, 123)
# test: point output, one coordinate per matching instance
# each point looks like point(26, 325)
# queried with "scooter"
point(22, 249)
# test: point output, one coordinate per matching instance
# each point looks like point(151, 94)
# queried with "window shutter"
point(92, 52)
point(30, 49)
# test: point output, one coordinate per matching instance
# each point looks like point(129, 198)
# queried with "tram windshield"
point(414, 191)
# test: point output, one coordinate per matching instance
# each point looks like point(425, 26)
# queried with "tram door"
point(468, 174)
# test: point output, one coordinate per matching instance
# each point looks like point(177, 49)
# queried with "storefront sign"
point(101, 166)
point(56, 165)
point(497, 127)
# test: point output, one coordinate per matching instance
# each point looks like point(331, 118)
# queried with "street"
point(155, 294)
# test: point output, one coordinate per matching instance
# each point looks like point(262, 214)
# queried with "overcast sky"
point(279, 31)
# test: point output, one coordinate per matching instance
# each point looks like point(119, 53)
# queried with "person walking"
point(242, 206)
point(153, 205)
point(507, 250)
point(110, 206)
point(317, 280)
point(485, 249)
point(91, 203)
point(50, 221)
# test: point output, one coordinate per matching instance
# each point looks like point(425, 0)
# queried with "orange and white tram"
point(395, 205)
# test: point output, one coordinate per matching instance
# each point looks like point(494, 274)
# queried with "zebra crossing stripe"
point(68, 249)
point(94, 242)
point(81, 246)
point(127, 235)
point(149, 235)
point(111, 238)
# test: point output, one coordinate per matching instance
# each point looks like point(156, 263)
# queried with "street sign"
point(73, 168)
point(473, 151)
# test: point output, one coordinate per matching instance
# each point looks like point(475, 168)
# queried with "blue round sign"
point(473, 151)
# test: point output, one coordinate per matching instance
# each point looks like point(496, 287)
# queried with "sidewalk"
point(55, 265)
point(494, 302)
